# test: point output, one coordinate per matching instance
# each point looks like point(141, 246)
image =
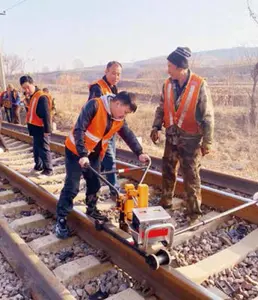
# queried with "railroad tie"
point(81, 269)
point(125, 295)
point(222, 260)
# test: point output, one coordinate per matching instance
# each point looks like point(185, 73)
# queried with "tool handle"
point(146, 171)
point(103, 179)
point(121, 171)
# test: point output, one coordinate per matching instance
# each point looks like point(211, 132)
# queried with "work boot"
point(194, 219)
point(61, 229)
point(193, 206)
point(36, 170)
point(96, 214)
point(92, 211)
point(47, 173)
point(165, 203)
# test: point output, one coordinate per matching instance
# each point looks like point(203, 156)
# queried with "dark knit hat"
point(180, 57)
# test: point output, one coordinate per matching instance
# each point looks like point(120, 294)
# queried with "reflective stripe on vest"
point(96, 132)
point(186, 106)
point(184, 117)
point(92, 136)
point(170, 102)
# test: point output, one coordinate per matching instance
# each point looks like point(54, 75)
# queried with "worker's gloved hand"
point(84, 162)
point(144, 158)
point(205, 149)
point(154, 135)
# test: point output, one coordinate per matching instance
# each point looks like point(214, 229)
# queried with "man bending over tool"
point(99, 120)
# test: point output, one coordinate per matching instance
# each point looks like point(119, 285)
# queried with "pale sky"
point(52, 33)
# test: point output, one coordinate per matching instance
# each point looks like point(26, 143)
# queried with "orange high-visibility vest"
point(96, 132)
point(32, 117)
point(105, 88)
point(184, 117)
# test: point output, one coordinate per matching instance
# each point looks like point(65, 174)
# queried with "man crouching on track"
point(39, 125)
point(99, 120)
point(186, 112)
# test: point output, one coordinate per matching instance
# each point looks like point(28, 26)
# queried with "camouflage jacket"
point(204, 116)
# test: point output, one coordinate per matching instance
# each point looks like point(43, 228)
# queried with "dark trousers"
point(41, 151)
point(16, 114)
point(72, 182)
point(9, 114)
point(109, 164)
point(2, 142)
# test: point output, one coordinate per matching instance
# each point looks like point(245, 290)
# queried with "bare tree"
point(251, 12)
point(12, 64)
point(254, 76)
point(250, 61)
point(252, 96)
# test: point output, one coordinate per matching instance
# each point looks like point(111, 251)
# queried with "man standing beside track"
point(2, 142)
point(53, 109)
point(87, 143)
point(186, 111)
point(39, 125)
point(104, 86)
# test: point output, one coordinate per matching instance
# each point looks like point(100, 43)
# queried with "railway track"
point(204, 258)
point(11, 286)
point(215, 179)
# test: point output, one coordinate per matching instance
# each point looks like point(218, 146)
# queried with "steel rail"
point(222, 180)
point(125, 257)
point(167, 283)
point(211, 197)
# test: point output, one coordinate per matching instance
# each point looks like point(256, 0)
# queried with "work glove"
point(154, 135)
point(144, 158)
point(205, 149)
point(84, 162)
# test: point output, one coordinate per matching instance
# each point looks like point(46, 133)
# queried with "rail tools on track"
point(151, 228)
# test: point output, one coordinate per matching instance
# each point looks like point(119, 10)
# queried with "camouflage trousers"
point(188, 156)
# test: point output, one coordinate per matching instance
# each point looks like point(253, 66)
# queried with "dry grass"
point(235, 144)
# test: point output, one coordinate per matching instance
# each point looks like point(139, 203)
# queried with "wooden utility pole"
point(2, 76)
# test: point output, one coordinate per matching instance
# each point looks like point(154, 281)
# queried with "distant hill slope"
point(216, 57)
point(216, 65)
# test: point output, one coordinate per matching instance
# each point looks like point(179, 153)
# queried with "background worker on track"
point(53, 109)
point(99, 120)
point(2, 142)
point(26, 101)
point(39, 125)
point(7, 102)
point(186, 111)
point(107, 85)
